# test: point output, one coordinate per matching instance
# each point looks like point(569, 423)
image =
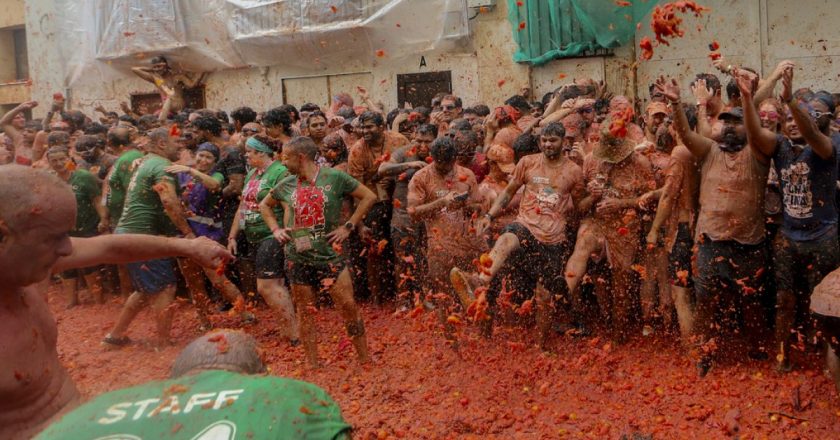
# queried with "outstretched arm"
point(819, 142)
point(698, 145)
point(127, 248)
point(761, 140)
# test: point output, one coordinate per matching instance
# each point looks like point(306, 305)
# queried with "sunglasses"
point(448, 107)
point(816, 114)
point(769, 115)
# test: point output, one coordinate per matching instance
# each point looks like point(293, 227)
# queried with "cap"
point(733, 113)
point(657, 107)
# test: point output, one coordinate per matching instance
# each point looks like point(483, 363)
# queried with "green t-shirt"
point(143, 212)
point(118, 182)
point(256, 188)
point(212, 405)
point(86, 187)
point(316, 211)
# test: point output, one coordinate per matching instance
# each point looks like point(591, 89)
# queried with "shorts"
point(679, 259)
point(313, 275)
point(152, 276)
point(801, 265)
point(537, 261)
point(268, 256)
point(729, 266)
point(77, 273)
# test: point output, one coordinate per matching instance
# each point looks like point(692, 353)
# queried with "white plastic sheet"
point(104, 38)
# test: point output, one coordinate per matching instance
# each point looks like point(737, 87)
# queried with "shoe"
point(464, 285)
point(703, 366)
point(111, 342)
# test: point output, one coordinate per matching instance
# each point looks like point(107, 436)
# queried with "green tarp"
point(549, 29)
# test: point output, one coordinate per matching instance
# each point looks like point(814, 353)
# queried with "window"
point(21, 56)
point(418, 89)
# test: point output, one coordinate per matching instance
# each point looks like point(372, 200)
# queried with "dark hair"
point(222, 116)
point(303, 145)
point(425, 111)
point(58, 137)
point(712, 82)
point(181, 118)
point(119, 137)
point(826, 99)
point(292, 111)
point(691, 115)
point(208, 123)
point(457, 100)
point(571, 92)
point(159, 59)
point(460, 124)
point(129, 119)
point(310, 107)
point(147, 122)
point(75, 119)
point(243, 115)
point(278, 117)
point(56, 149)
point(316, 114)
point(525, 144)
point(334, 141)
point(469, 111)
point(346, 113)
point(372, 116)
point(732, 90)
point(538, 104)
point(427, 129)
point(271, 143)
point(518, 102)
point(96, 128)
point(88, 142)
point(389, 118)
point(481, 110)
point(547, 98)
point(467, 138)
point(444, 150)
point(554, 128)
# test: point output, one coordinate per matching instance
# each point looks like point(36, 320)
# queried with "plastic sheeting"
point(549, 29)
point(103, 39)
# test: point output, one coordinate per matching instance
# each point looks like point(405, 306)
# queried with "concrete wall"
point(755, 33)
point(11, 13)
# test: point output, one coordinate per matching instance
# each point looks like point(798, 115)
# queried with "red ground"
point(504, 388)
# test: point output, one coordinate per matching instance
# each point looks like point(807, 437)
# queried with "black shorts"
point(313, 275)
point(539, 261)
point(268, 259)
point(728, 266)
point(679, 259)
point(801, 265)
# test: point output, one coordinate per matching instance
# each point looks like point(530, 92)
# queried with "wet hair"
point(57, 149)
point(825, 98)
point(229, 350)
point(372, 116)
point(159, 59)
point(732, 90)
point(538, 105)
point(712, 82)
point(691, 115)
point(444, 150)
point(389, 118)
point(208, 123)
point(555, 129)
point(481, 110)
point(334, 141)
point(455, 99)
point(438, 98)
point(571, 92)
point(271, 143)
point(602, 105)
point(129, 119)
point(316, 114)
point(468, 138)
point(460, 124)
point(58, 138)
point(181, 118)
point(222, 116)
point(526, 144)
point(89, 142)
point(346, 113)
point(119, 137)
point(303, 145)
point(292, 110)
point(519, 102)
point(243, 115)
point(278, 117)
point(147, 122)
point(158, 134)
point(547, 98)
point(75, 119)
point(96, 128)
point(804, 94)
point(425, 111)
point(310, 107)
point(427, 129)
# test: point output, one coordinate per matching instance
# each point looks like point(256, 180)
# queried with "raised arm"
point(6, 122)
point(819, 142)
point(760, 139)
point(766, 87)
point(145, 73)
point(698, 145)
point(702, 94)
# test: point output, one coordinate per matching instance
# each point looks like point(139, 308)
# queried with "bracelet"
point(489, 217)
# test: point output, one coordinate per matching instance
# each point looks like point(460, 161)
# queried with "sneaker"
point(464, 285)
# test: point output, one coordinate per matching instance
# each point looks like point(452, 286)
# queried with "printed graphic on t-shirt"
point(797, 197)
point(309, 207)
point(546, 196)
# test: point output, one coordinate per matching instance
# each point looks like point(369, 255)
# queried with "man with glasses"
point(450, 109)
point(806, 161)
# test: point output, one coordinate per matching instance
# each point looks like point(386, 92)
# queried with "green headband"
point(255, 144)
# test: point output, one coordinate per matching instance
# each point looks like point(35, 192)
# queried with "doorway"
point(418, 89)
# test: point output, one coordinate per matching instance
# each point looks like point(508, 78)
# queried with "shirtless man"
point(171, 83)
point(14, 126)
point(37, 212)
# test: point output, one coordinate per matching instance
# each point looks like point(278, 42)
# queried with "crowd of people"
point(702, 213)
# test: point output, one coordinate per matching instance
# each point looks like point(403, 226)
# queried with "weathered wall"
point(756, 33)
point(11, 13)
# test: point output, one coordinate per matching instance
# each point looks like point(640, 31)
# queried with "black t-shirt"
point(232, 162)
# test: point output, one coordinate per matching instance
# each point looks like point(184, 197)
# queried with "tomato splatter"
point(380, 53)
point(521, 25)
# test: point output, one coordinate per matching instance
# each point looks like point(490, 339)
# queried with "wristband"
point(489, 217)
